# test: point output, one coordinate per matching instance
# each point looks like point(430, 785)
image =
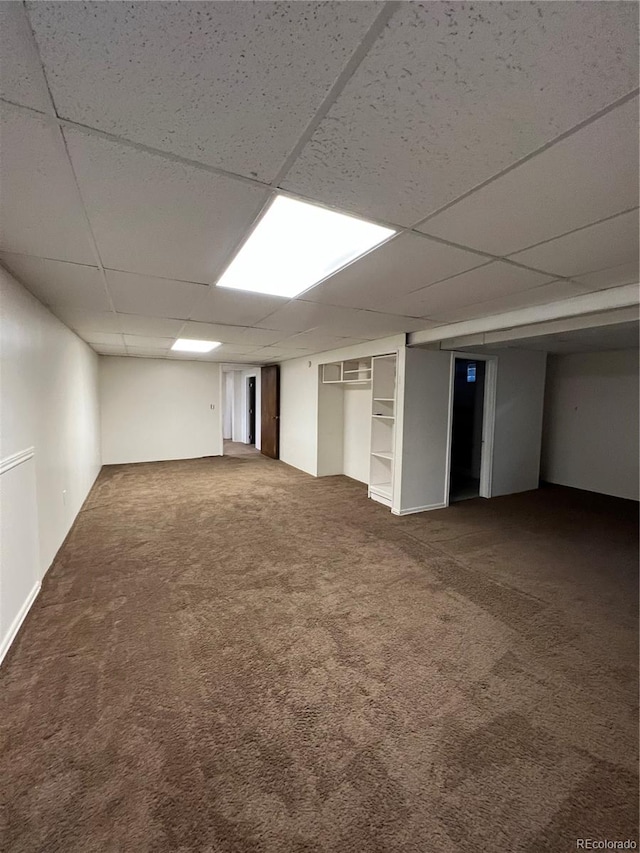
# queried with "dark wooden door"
point(252, 409)
point(270, 411)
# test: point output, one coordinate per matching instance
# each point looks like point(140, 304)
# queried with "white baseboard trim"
point(381, 499)
point(18, 458)
point(418, 509)
point(19, 619)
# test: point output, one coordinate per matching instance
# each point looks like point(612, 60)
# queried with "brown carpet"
point(229, 655)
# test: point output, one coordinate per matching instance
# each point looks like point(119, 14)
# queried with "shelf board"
point(384, 399)
point(346, 381)
point(384, 417)
point(383, 489)
point(382, 454)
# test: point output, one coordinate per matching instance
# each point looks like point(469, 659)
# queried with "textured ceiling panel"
point(56, 283)
point(588, 176)
point(21, 77)
point(621, 274)
point(157, 217)
point(153, 327)
point(478, 285)
point(299, 316)
point(86, 321)
point(229, 84)
point(222, 305)
point(452, 93)
point(616, 337)
point(407, 263)
point(155, 297)
point(541, 295)
point(597, 247)
point(40, 209)
point(241, 335)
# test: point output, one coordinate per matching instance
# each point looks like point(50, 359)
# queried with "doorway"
point(467, 429)
point(251, 410)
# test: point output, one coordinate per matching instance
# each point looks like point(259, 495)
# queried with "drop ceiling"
point(140, 142)
point(617, 336)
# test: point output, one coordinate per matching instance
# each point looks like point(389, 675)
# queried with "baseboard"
point(17, 622)
point(418, 509)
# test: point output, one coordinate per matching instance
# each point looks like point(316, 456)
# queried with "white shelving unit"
point(347, 372)
point(383, 417)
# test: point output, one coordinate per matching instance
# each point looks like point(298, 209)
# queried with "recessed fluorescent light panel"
point(296, 245)
point(187, 345)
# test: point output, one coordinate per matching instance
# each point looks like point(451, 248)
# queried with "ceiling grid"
point(352, 78)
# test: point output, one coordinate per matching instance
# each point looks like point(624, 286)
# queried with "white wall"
point(330, 429)
point(48, 402)
point(356, 437)
point(158, 409)
point(227, 414)
point(299, 414)
point(590, 438)
point(518, 423)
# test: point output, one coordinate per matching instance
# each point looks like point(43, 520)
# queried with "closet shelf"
point(383, 489)
point(384, 417)
point(382, 454)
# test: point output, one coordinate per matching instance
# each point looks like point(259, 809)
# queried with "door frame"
point(488, 419)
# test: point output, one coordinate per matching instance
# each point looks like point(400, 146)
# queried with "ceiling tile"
point(478, 285)
point(542, 295)
point(452, 93)
point(40, 209)
point(614, 277)
point(209, 81)
point(236, 349)
point(597, 247)
point(588, 176)
point(406, 263)
point(222, 305)
point(315, 339)
point(271, 353)
point(93, 337)
point(242, 335)
point(58, 283)
point(88, 321)
point(142, 342)
point(109, 349)
point(598, 338)
point(233, 358)
point(21, 77)
point(155, 297)
point(154, 327)
point(155, 216)
point(146, 352)
point(300, 316)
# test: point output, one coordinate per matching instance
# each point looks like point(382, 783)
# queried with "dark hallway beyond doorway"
point(466, 429)
point(251, 409)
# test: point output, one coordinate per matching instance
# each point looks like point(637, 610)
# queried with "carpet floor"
point(229, 656)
